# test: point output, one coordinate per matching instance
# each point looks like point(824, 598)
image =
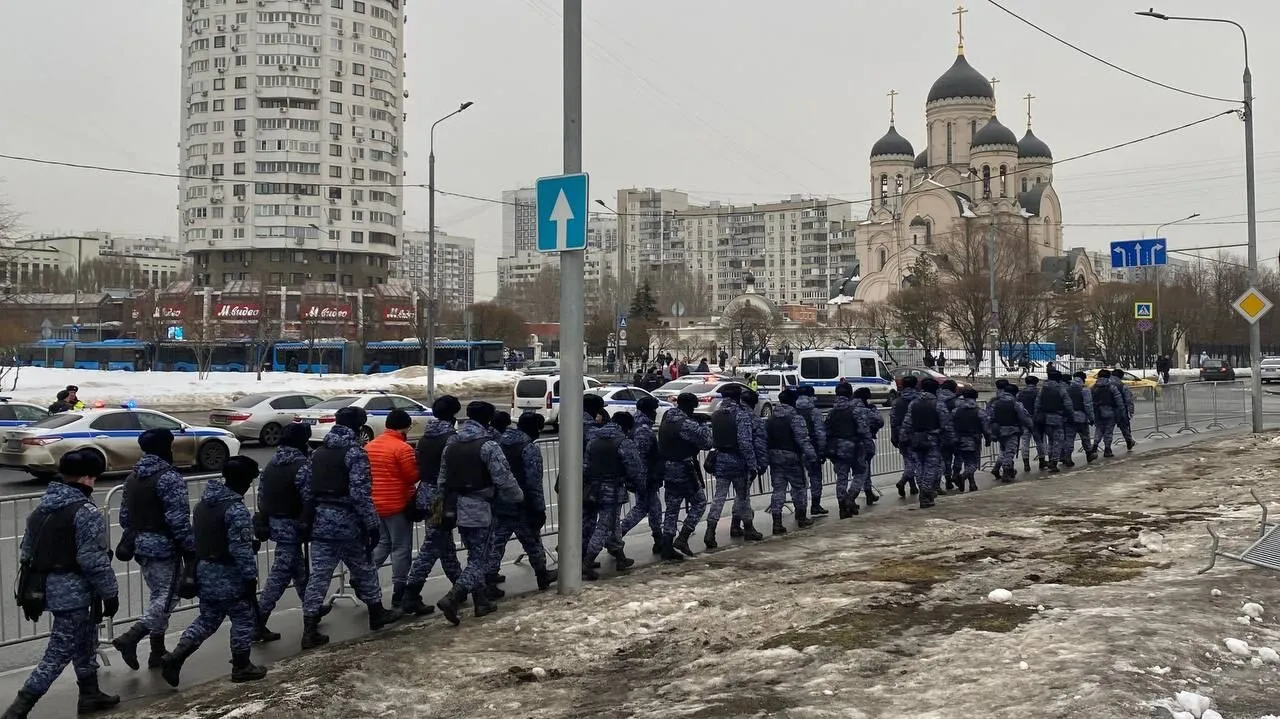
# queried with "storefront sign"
point(237, 311)
point(398, 314)
point(326, 313)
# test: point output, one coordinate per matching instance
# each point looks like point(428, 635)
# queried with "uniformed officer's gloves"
point(371, 539)
point(110, 606)
point(248, 590)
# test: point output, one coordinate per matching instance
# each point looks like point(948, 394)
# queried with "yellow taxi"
point(1141, 387)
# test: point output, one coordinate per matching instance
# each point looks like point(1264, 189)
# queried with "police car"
point(541, 394)
point(113, 434)
point(376, 404)
point(20, 414)
point(623, 398)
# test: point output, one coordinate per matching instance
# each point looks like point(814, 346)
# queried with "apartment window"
point(295, 278)
point(335, 171)
point(346, 280)
point(335, 128)
point(357, 90)
point(227, 277)
point(335, 4)
point(220, 41)
point(335, 86)
point(357, 237)
point(335, 44)
point(335, 108)
point(241, 60)
point(357, 216)
point(357, 69)
point(237, 147)
point(335, 215)
point(220, 83)
point(238, 168)
point(358, 6)
point(329, 277)
point(275, 278)
point(357, 173)
point(217, 168)
point(238, 125)
point(219, 105)
point(218, 146)
point(228, 257)
point(216, 233)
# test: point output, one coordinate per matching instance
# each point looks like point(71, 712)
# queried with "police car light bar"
point(5, 399)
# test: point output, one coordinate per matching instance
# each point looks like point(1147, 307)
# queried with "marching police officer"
point(744, 526)
point(926, 428)
point(969, 435)
point(896, 417)
point(1108, 404)
point(525, 519)
point(280, 506)
point(1027, 398)
point(1081, 419)
point(847, 432)
point(947, 396)
point(337, 491)
point(807, 408)
point(1053, 410)
point(647, 502)
point(789, 450)
point(613, 464)
point(862, 478)
point(227, 571)
point(472, 468)
point(155, 516)
point(65, 567)
point(735, 460)
point(680, 438)
point(437, 544)
point(1124, 419)
point(1007, 420)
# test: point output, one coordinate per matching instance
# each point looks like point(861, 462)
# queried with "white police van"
point(824, 369)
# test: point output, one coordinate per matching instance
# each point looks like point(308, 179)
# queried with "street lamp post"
point(1160, 307)
point(617, 294)
point(1255, 330)
point(431, 253)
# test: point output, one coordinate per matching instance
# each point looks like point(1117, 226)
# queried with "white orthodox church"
point(973, 171)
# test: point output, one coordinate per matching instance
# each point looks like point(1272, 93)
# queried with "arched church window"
point(973, 129)
point(884, 257)
point(948, 143)
point(1024, 184)
point(1039, 180)
point(884, 189)
point(928, 232)
point(1004, 179)
point(899, 183)
point(1048, 231)
point(986, 182)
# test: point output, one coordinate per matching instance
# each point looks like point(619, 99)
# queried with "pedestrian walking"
point(394, 470)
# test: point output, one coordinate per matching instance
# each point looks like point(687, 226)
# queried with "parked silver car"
point(261, 417)
point(1270, 369)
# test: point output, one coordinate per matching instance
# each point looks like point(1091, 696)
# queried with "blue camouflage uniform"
point(948, 399)
point(682, 481)
point(514, 518)
point(1027, 397)
point(1124, 419)
point(871, 415)
point(808, 411)
point(735, 468)
point(648, 502)
point(589, 512)
point(222, 585)
point(1053, 411)
point(475, 509)
point(289, 563)
point(925, 442)
point(1082, 418)
point(970, 431)
point(342, 526)
point(896, 417)
point(69, 596)
point(1109, 404)
point(1009, 432)
point(848, 454)
point(437, 543)
point(786, 467)
point(159, 556)
point(611, 489)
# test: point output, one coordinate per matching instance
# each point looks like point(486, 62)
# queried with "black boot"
point(915, 488)
point(92, 698)
point(735, 528)
point(1044, 463)
point(682, 542)
point(494, 592)
point(817, 510)
point(749, 532)
point(1068, 462)
point(243, 670)
point(871, 497)
point(589, 573)
point(777, 525)
point(709, 537)
point(380, 616)
point(1091, 456)
point(450, 603)
point(1026, 464)
point(411, 603)
point(902, 488)
point(669, 551)
point(484, 605)
point(1108, 453)
point(171, 665)
point(802, 519)
point(1129, 444)
point(22, 705)
point(973, 483)
point(842, 507)
point(397, 595)
point(939, 490)
point(261, 633)
point(127, 645)
point(621, 561)
point(496, 579)
point(311, 636)
point(157, 652)
point(1009, 474)
point(546, 578)
point(657, 544)
point(1053, 468)
point(926, 499)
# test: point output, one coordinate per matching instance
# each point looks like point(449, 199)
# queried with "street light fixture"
point(1160, 307)
point(431, 253)
point(1255, 330)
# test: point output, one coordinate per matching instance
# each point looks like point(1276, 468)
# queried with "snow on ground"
point(884, 615)
point(185, 390)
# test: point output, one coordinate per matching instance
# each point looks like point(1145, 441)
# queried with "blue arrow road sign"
point(562, 213)
point(1139, 253)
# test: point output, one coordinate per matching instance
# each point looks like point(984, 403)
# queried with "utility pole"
point(995, 303)
point(1160, 307)
point(572, 317)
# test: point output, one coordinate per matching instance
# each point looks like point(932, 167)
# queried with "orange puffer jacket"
point(395, 472)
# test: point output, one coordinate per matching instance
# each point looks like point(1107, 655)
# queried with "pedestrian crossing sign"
point(1143, 311)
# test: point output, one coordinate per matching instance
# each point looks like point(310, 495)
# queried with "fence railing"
point(1159, 412)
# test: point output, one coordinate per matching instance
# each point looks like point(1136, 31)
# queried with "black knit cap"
point(398, 419)
point(351, 417)
point(481, 412)
point(296, 435)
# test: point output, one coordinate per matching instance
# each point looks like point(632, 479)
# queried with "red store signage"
point(236, 311)
point(398, 313)
point(170, 312)
point(326, 313)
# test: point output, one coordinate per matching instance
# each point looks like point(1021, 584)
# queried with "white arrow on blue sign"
point(562, 212)
point(1139, 253)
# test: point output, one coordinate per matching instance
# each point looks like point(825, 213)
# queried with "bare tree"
point(753, 326)
point(915, 305)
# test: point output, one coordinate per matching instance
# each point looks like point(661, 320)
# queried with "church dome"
point(892, 144)
point(922, 160)
point(961, 81)
point(993, 133)
point(1032, 146)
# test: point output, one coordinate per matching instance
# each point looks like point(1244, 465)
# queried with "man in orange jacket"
point(395, 480)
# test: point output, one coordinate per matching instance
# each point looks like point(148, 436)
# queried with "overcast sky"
point(737, 100)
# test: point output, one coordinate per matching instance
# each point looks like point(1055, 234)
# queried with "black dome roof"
point(961, 81)
point(993, 133)
point(1032, 146)
point(922, 160)
point(892, 144)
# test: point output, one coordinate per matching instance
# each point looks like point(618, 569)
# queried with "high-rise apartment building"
point(455, 266)
point(645, 228)
point(291, 151)
point(519, 221)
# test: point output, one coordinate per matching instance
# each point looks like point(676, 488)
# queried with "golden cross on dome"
point(1029, 98)
point(892, 95)
point(959, 13)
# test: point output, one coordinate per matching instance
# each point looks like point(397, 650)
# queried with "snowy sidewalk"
point(882, 615)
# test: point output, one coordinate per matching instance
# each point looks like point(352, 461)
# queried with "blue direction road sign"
point(1139, 253)
point(562, 213)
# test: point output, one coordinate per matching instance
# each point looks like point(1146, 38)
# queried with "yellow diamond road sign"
point(1252, 305)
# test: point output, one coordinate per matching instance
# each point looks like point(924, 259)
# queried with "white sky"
point(741, 100)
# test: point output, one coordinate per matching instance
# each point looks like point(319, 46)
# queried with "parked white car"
point(376, 404)
point(623, 398)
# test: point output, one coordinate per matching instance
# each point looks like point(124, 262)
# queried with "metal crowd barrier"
point(1189, 407)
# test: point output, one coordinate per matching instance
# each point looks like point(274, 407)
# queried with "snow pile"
point(183, 389)
point(1000, 596)
point(1253, 610)
point(1195, 704)
point(1237, 647)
